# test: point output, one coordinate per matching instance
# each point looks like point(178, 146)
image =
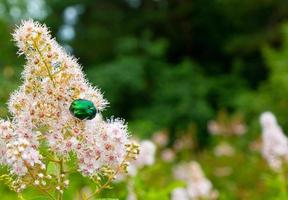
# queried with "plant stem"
point(283, 184)
point(39, 188)
point(61, 171)
point(101, 188)
point(45, 63)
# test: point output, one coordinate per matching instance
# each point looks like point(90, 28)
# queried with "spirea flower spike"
point(58, 109)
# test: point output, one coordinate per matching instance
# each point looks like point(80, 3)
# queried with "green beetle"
point(83, 109)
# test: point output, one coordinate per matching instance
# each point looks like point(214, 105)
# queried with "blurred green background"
point(168, 64)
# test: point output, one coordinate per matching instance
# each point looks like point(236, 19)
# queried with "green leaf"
point(52, 168)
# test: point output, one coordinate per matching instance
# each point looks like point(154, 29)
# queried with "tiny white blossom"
point(66, 182)
point(36, 182)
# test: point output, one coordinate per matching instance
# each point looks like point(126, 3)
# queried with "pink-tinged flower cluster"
point(108, 147)
point(19, 148)
point(275, 143)
point(52, 80)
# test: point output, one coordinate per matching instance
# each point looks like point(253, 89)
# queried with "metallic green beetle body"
point(83, 109)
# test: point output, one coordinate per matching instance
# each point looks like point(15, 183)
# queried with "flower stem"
point(61, 171)
point(39, 188)
point(283, 184)
point(45, 63)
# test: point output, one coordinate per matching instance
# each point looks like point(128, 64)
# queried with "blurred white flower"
point(168, 155)
point(275, 143)
point(132, 171)
point(239, 129)
point(198, 186)
point(188, 171)
point(147, 154)
point(224, 149)
point(160, 138)
point(214, 128)
point(179, 194)
point(268, 120)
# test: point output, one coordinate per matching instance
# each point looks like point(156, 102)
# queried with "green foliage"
point(272, 93)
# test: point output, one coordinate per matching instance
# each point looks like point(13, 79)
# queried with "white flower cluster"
point(198, 186)
point(275, 143)
point(52, 80)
